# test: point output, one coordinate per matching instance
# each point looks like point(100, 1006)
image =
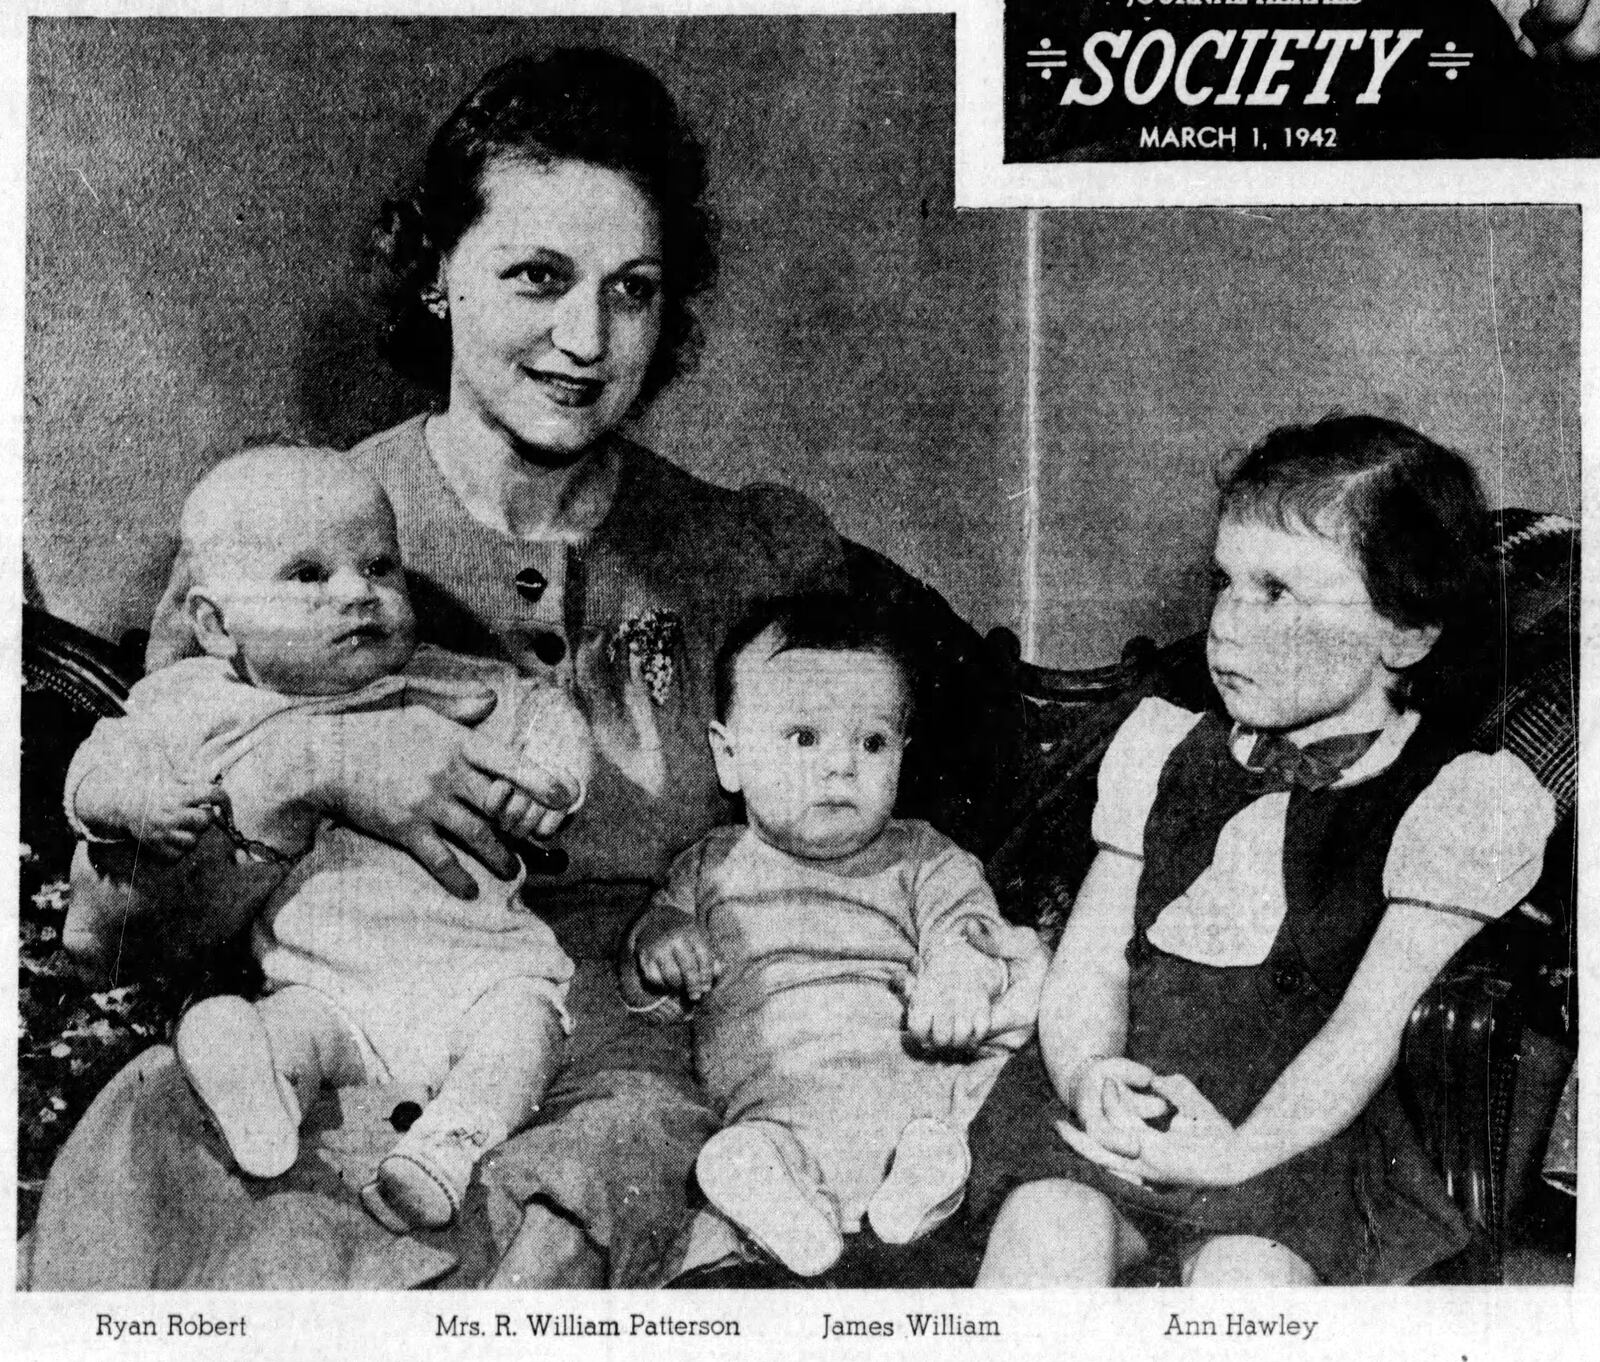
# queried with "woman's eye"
point(1273, 592)
point(636, 292)
point(804, 737)
point(1219, 581)
point(543, 280)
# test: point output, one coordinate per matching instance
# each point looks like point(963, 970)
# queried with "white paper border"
point(1444, 1324)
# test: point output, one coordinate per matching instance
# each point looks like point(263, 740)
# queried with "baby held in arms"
point(844, 970)
point(373, 973)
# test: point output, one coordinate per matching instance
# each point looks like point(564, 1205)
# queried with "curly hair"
point(1411, 512)
point(567, 104)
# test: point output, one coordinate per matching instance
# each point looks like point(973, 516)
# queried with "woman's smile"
point(566, 391)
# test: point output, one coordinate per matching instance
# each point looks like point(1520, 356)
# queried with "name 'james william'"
point(917, 1326)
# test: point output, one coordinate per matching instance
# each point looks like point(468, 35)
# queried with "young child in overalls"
point(1275, 888)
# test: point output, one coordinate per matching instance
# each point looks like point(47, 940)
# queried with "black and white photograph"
point(759, 761)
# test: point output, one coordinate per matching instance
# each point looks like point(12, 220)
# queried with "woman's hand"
point(415, 778)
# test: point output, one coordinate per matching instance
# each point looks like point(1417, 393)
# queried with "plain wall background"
point(1167, 340)
point(200, 192)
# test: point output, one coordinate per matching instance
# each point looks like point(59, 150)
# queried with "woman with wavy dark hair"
point(540, 281)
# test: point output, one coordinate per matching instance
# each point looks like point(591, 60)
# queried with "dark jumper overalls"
point(1364, 1206)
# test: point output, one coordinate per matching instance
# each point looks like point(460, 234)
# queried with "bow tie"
point(1312, 767)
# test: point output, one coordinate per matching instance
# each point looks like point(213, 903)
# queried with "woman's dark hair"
point(568, 104)
point(825, 621)
point(1412, 513)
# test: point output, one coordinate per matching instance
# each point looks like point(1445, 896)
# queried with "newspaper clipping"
point(772, 679)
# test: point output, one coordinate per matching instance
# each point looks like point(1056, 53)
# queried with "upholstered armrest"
point(70, 679)
point(1459, 1069)
point(75, 1036)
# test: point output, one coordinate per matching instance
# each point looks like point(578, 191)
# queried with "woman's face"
point(555, 305)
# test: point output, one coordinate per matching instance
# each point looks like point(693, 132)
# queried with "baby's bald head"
point(269, 495)
point(295, 571)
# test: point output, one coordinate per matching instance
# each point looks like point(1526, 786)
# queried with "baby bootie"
point(926, 1181)
point(422, 1182)
point(225, 1054)
point(744, 1174)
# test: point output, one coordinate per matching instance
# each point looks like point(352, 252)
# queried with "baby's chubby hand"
point(141, 797)
point(178, 814)
point(553, 773)
point(673, 955)
point(950, 999)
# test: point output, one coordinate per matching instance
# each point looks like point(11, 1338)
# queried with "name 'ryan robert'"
point(117, 1327)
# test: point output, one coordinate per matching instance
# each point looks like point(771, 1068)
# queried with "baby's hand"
point(673, 955)
point(557, 764)
point(949, 1001)
point(179, 814)
point(164, 812)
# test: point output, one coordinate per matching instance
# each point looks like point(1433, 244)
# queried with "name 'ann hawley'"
point(1241, 1326)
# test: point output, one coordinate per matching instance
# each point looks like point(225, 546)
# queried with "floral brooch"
point(650, 639)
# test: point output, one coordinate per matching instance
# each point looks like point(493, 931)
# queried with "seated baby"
point(826, 951)
point(373, 973)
